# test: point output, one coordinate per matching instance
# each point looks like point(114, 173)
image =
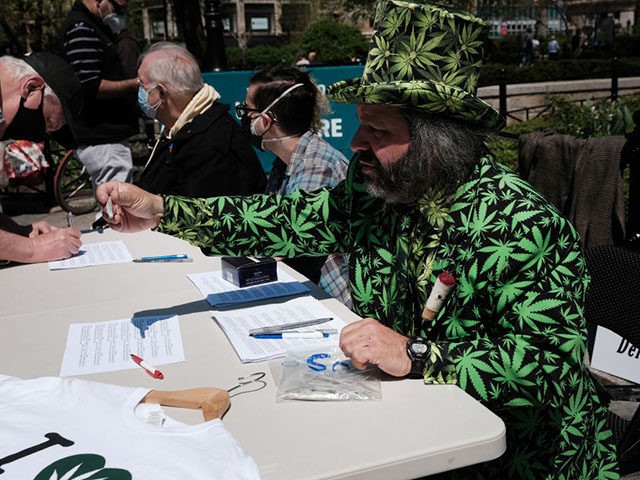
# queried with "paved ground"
point(32, 208)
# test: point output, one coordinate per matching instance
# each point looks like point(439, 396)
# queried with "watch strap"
point(418, 360)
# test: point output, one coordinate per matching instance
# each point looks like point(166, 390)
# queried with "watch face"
point(419, 348)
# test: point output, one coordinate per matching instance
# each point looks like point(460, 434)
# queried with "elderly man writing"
point(37, 95)
point(424, 204)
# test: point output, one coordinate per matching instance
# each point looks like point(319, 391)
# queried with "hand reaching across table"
point(134, 209)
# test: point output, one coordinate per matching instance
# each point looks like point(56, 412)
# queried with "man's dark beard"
point(404, 181)
point(441, 155)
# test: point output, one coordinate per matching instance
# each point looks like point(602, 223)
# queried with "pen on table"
point(69, 219)
point(152, 371)
point(288, 326)
point(180, 257)
point(288, 335)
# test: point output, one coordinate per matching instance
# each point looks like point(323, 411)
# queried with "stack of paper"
point(92, 254)
point(106, 346)
point(237, 323)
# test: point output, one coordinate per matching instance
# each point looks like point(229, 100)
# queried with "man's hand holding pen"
point(132, 209)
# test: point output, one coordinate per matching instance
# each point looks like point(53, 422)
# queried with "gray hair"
point(175, 67)
point(449, 147)
point(18, 69)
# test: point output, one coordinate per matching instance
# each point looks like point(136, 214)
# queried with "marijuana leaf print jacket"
point(511, 333)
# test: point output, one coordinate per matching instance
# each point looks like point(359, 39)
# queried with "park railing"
point(521, 102)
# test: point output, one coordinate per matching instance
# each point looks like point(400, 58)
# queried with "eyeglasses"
point(242, 110)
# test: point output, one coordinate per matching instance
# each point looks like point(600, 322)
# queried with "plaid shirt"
point(314, 165)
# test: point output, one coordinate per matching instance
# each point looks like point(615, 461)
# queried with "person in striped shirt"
point(109, 115)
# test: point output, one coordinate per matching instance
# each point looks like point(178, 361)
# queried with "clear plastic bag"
point(326, 374)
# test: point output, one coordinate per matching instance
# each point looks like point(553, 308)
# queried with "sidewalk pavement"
point(33, 209)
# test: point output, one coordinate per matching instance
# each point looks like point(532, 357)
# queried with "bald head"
point(20, 82)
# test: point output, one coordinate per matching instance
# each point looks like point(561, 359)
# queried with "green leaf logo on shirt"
point(82, 467)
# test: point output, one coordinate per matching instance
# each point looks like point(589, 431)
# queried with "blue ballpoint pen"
point(287, 335)
point(180, 257)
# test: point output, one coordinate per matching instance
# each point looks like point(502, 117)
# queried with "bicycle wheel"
point(73, 189)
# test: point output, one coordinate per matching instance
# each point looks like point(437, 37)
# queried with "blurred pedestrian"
point(553, 47)
point(577, 41)
point(313, 58)
point(302, 59)
point(527, 48)
point(109, 114)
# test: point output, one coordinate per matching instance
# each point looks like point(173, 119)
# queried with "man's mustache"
point(367, 158)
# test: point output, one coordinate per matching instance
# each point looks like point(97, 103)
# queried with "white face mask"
point(253, 123)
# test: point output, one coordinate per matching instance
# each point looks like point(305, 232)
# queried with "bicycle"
point(67, 182)
point(72, 186)
point(64, 181)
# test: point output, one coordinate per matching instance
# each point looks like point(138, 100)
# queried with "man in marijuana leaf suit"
point(423, 198)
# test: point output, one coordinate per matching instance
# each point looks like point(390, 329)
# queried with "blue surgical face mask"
point(143, 102)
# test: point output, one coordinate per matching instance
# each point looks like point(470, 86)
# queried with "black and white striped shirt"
point(85, 51)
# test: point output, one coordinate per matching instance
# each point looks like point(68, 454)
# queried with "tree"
point(352, 11)
point(32, 25)
point(334, 42)
point(189, 19)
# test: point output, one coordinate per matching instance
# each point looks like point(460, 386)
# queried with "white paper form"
point(213, 282)
point(106, 346)
point(92, 254)
point(237, 323)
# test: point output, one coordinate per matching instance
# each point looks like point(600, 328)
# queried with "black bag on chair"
point(613, 302)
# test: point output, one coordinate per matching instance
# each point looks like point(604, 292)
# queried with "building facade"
point(246, 23)
point(254, 22)
point(543, 18)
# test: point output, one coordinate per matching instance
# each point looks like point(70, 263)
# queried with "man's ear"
point(32, 90)
point(162, 90)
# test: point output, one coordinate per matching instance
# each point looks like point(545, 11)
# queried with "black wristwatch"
point(417, 349)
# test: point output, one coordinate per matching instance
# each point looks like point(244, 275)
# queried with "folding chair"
point(613, 302)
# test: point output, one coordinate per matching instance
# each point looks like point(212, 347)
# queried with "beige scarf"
point(198, 104)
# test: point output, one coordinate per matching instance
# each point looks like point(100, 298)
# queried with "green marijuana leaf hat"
point(425, 57)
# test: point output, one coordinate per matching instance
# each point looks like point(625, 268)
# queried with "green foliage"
point(506, 50)
point(627, 45)
point(32, 24)
point(351, 10)
point(548, 71)
point(261, 56)
point(334, 42)
point(594, 118)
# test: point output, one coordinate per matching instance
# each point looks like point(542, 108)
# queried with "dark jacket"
point(209, 156)
point(581, 177)
point(101, 121)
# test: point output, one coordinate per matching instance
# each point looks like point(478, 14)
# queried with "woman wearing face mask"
point(202, 151)
point(282, 113)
